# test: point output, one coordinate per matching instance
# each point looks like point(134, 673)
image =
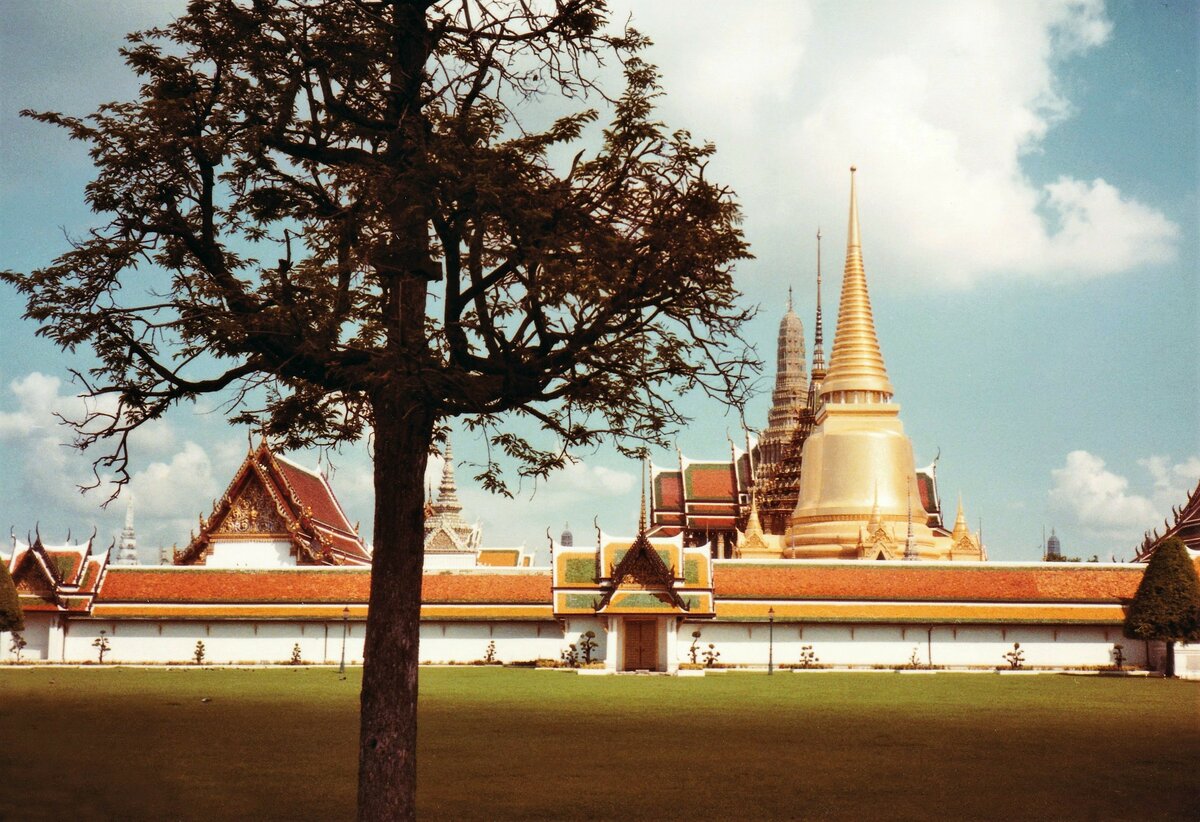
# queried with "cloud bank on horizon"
point(937, 102)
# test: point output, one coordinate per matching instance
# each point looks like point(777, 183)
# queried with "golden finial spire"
point(642, 514)
point(960, 522)
point(818, 367)
point(873, 522)
point(856, 370)
point(910, 542)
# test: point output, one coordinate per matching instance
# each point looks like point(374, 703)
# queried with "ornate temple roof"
point(1185, 525)
point(701, 495)
point(271, 497)
point(56, 577)
point(445, 529)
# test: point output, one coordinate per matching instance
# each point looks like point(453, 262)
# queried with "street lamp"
point(770, 641)
point(345, 629)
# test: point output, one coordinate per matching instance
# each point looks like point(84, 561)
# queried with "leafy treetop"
point(1166, 606)
point(424, 237)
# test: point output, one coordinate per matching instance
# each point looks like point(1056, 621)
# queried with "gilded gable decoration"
point(253, 512)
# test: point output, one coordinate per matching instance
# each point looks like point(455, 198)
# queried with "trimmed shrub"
point(1166, 606)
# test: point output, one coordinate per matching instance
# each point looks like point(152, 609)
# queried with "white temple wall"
point(268, 641)
point(894, 645)
point(225, 642)
point(445, 642)
point(36, 635)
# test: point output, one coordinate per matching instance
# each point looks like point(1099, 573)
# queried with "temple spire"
point(856, 370)
point(873, 521)
point(642, 513)
point(447, 499)
point(818, 368)
point(960, 523)
point(127, 549)
point(910, 542)
point(790, 395)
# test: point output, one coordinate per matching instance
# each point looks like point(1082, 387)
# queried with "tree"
point(1166, 606)
point(11, 618)
point(102, 645)
point(441, 249)
point(17, 645)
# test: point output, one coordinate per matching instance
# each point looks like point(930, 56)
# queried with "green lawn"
point(508, 744)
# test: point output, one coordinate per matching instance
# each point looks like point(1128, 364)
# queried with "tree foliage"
point(1166, 606)
point(309, 200)
point(11, 618)
point(367, 216)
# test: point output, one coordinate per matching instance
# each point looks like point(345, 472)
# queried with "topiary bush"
point(1166, 606)
point(587, 646)
point(1016, 657)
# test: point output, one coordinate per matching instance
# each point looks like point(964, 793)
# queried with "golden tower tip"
point(856, 370)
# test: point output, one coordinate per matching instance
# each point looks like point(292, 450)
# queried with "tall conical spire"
point(127, 549)
point(791, 386)
point(447, 500)
point(910, 542)
point(856, 370)
point(445, 529)
point(642, 513)
point(960, 523)
point(818, 367)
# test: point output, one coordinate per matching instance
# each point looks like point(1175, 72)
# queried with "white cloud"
point(936, 101)
point(1101, 502)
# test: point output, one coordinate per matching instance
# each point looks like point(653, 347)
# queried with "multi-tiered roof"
point(272, 499)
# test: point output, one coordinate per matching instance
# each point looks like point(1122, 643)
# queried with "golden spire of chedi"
point(856, 370)
point(858, 463)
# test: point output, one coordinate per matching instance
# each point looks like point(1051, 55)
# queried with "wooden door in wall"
point(641, 645)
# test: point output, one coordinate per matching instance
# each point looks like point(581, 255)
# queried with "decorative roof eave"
point(1187, 517)
point(657, 578)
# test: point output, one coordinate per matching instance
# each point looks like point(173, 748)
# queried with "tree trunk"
point(1169, 660)
point(387, 769)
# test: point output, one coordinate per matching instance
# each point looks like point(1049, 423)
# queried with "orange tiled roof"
point(524, 587)
point(980, 583)
point(67, 563)
point(709, 481)
point(315, 493)
point(314, 584)
point(668, 490)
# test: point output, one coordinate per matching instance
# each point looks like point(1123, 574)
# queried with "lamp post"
point(345, 629)
point(770, 641)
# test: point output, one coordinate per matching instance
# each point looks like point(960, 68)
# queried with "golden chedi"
point(858, 491)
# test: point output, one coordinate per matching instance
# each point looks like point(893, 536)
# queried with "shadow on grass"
point(521, 744)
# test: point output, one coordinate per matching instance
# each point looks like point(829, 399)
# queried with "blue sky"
point(1028, 191)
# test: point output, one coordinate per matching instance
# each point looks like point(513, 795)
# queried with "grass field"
point(522, 744)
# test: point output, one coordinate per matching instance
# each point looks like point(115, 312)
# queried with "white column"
point(56, 641)
point(614, 643)
point(672, 644)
